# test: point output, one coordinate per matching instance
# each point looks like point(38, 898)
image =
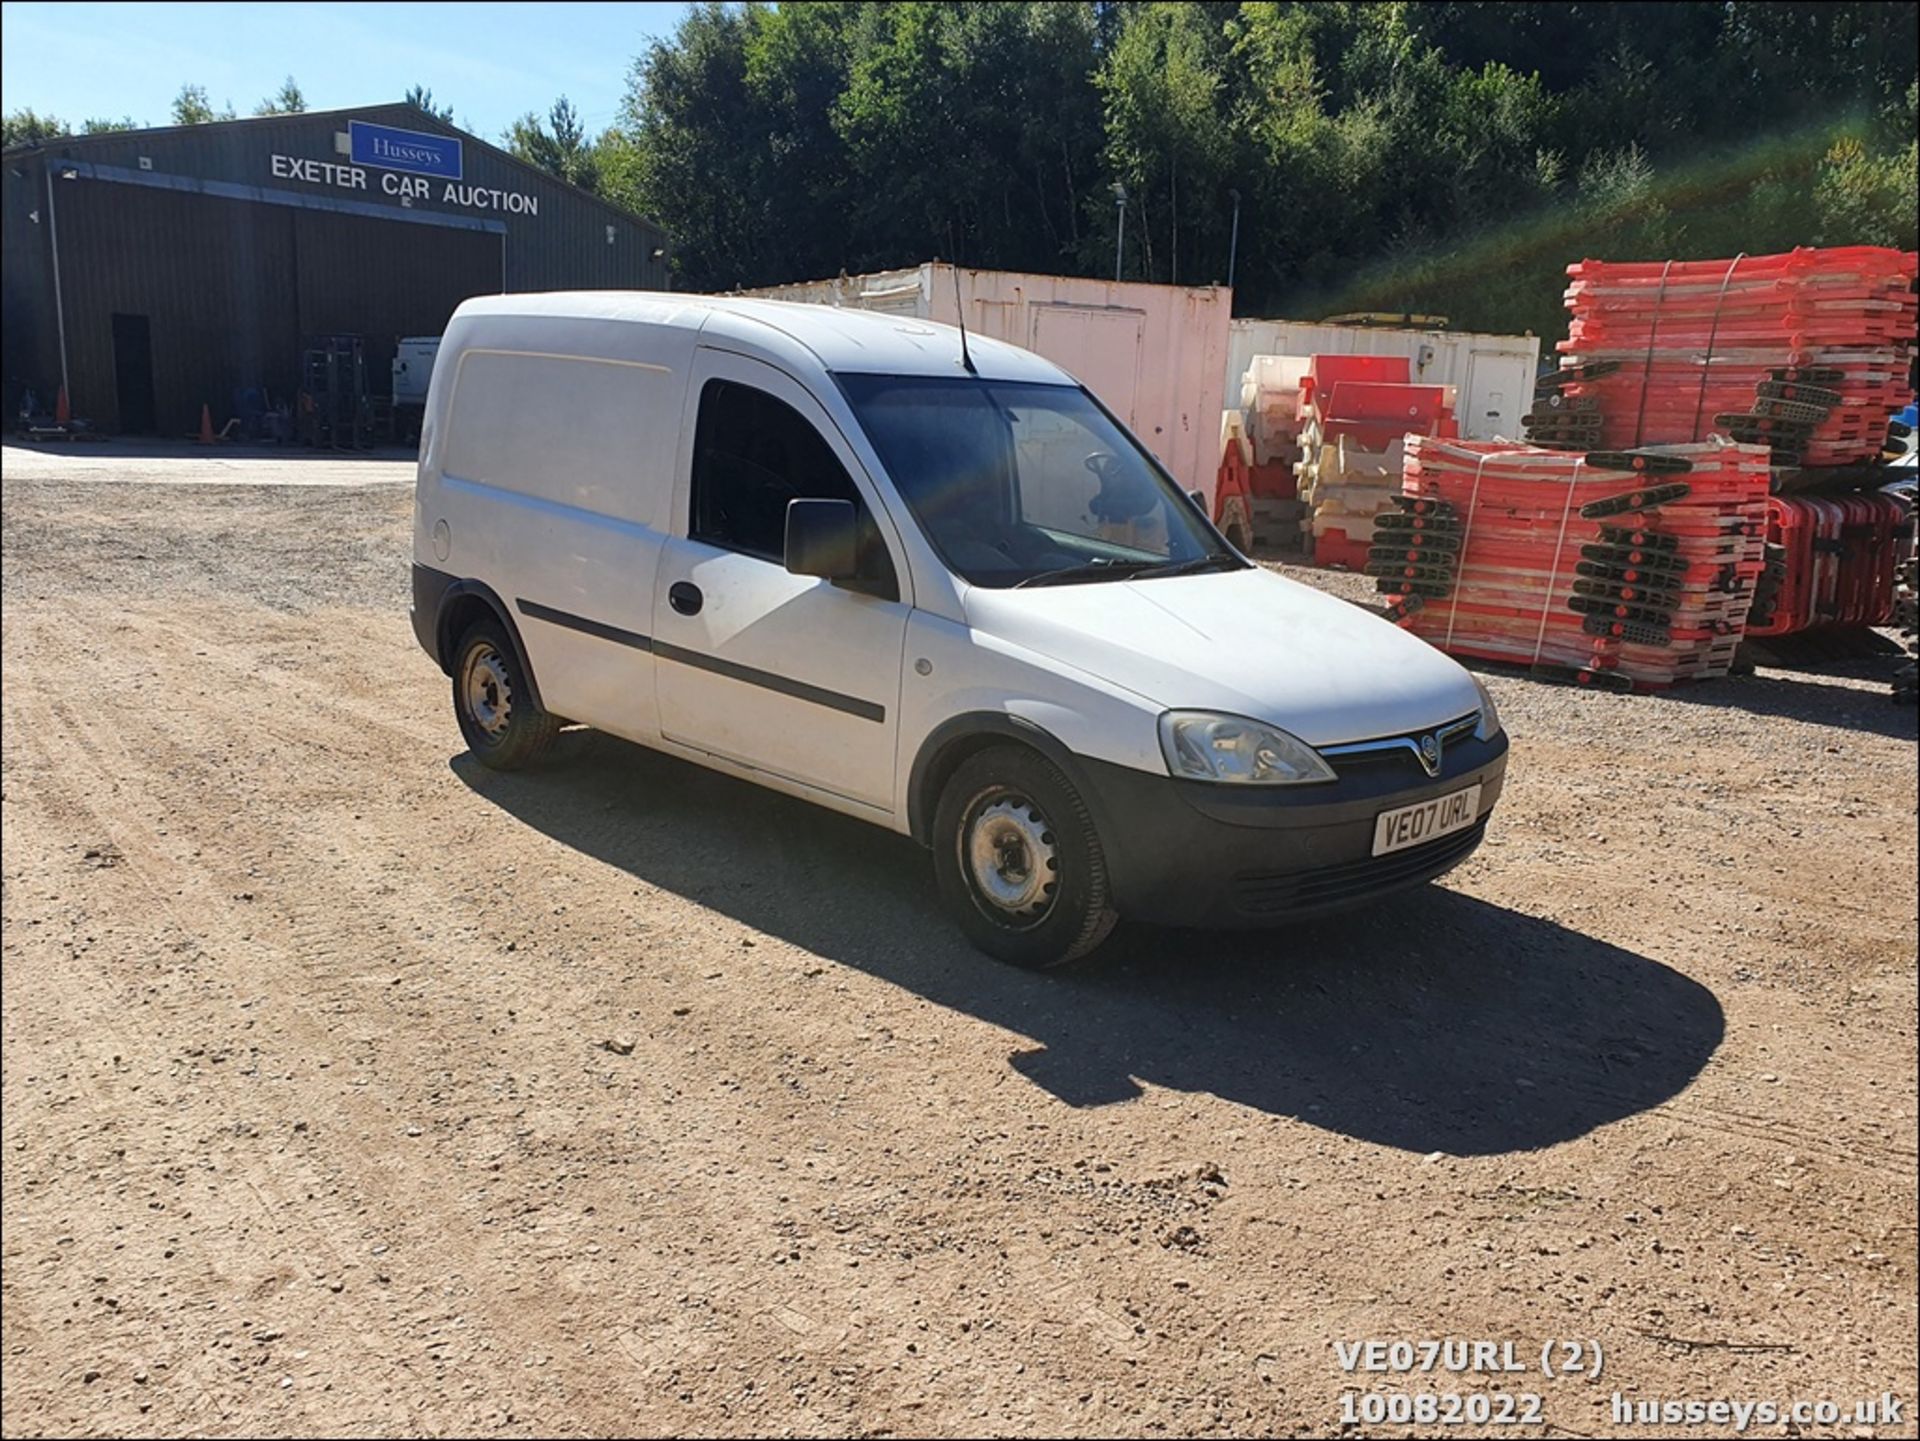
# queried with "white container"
point(1151, 353)
point(1494, 373)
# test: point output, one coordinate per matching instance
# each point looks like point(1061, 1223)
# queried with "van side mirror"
point(823, 538)
point(1199, 499)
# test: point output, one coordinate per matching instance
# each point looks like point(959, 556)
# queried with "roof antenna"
point(960, 314)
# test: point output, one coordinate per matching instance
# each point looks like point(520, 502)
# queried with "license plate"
point(1426, 821)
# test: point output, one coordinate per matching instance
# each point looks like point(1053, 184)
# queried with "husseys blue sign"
point(386, 148)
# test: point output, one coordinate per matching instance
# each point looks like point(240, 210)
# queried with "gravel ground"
point(352, 1089)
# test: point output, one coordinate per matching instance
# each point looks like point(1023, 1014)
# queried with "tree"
point(1867, 195)
point(1007, 86)
point(287, 100)
point(695, 149)
point(1389, 156)
point(1163, 83)
point(191, 107)
point(24, 126)
point(560, 146)
point(421, 98)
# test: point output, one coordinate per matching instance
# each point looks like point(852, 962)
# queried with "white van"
point(931, 583)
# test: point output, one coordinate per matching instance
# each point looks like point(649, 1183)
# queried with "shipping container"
point(1151, 353)
point(1494, 373)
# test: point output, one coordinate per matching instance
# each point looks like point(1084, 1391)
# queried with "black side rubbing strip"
point(767, 680)
point(581, 623)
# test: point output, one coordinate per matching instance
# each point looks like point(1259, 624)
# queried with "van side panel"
point(552, 466)
point(571, 429)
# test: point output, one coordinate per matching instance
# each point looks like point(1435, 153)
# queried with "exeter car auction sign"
point(417, 167)
point(410, 150)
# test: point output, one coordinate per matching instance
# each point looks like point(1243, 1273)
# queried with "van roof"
point(844, 340)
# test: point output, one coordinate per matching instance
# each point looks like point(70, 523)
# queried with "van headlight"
point(1489, 725)
point(1203, 746)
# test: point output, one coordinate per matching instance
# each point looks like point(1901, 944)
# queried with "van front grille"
point(1267, 893)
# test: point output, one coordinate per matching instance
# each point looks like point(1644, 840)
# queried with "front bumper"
point(1192, 853)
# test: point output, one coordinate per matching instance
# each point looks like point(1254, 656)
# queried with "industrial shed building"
point(156, 271)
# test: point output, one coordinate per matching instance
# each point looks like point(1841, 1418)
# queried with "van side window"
point(751, 455)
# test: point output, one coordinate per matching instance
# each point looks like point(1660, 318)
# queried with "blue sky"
point(491, 62)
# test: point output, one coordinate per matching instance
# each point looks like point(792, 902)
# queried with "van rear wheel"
point(504, 726)
point(1018, 861)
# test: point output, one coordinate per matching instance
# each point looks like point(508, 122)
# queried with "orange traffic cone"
point(206, 425)
point(62, 412)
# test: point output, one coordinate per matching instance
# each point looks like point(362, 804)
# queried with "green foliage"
point(421, 98)
point(23, 126)
point(1866, 196)
point(1447, 157)
point(191, 107)
point(969, 131)
point(696, 147)
point(559, 145)
point(1164, 89)
point(287, 100)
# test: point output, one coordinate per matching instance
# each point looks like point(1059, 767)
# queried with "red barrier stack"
point(1806, 353)
point(1624, 570)
point(1830, 562)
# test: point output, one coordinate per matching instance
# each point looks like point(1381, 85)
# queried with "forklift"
point(336, 409)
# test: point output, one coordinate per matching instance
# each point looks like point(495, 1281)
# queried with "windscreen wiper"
point(1100, 569)
point(1219, 560)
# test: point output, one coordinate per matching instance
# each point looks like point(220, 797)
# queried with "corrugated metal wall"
point(231, 290)
point(214, 278)
point(29, 355)
point(231, 284)
point(373, 278)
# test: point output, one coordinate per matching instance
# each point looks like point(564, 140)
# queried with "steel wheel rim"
point(1011, 859)
point(488, 691)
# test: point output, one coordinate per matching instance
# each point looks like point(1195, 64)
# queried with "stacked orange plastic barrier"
point(1830, 562)
point(1624, 570)
point(1806, 353)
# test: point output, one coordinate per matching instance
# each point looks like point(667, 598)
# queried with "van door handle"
point(684, 596)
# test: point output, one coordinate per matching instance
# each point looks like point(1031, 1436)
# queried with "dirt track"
point(311, 1124)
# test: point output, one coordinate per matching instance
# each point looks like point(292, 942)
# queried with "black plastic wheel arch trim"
point(453, 589)
point(923, 800)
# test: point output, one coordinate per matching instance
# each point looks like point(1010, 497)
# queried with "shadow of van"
point(1430, 1021)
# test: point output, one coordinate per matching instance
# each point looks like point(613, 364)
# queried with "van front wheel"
point(1018, 861)
point(504, 726)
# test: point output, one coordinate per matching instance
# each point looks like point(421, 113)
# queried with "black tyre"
point(503, 724)
point(1018, 861)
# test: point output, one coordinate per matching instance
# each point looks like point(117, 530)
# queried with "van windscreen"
point(1023, 484)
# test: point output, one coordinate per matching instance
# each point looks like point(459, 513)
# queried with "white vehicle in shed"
point(932, 584)
point(412, 378)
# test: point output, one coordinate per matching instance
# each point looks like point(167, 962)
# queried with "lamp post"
point(1233, 245)
point(1120, 229)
